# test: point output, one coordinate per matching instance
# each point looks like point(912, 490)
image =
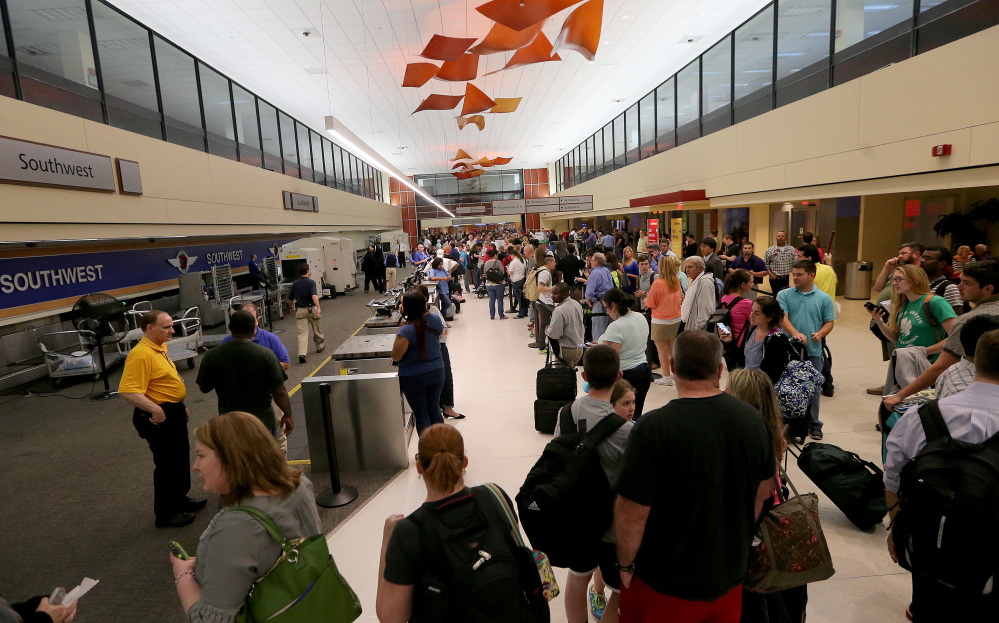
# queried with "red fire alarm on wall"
point(941, 150)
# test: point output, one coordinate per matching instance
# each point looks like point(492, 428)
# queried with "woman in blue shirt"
point(443, 278)
point(417, 350)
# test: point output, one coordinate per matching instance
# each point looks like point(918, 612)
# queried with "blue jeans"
point(495, 297)
point(813, 408)
point(518, 298)
point(423, 392)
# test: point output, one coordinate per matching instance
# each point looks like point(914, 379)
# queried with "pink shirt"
point(740, 313)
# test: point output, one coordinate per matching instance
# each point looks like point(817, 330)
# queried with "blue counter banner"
point(39, 279)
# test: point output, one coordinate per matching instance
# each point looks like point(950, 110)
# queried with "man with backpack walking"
point(941, 479)
point(690, 487)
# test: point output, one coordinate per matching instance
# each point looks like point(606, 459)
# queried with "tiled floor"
point(494, 386)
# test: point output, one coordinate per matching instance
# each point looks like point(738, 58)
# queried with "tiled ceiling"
point(352, 62)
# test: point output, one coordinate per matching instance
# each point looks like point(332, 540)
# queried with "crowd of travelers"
point(619, 307)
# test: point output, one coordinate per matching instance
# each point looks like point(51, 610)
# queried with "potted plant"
point(968, 227)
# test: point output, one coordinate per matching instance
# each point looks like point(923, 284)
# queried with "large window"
point(317, 158)
point(647, 124)
point(7, 87)
point(802, 48)
point(289, 145)
point(870, 34)
point(179, 92)
point(56, 56)
point(341, 176)
point(270, 139)
point(247, 132)
point(716, 77)
point(666, 115)
point(631, 133)
point(305, 152)
point(127, 72)
point(218, 113)
point(754, 66)
point(688, 103)
point(619, 158)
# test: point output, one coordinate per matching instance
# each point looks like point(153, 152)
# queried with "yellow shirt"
point(149, 371)
point(825, 280)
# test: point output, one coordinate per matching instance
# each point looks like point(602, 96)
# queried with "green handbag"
point(303, 585)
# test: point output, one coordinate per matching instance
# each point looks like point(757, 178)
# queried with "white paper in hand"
point(79, 591)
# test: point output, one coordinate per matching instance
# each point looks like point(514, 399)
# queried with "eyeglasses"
point(897, 279)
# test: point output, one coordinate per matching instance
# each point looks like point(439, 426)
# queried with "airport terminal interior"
point(191, 156)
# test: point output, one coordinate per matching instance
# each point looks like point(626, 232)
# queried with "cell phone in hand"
point(178, 551)
point(870, 306)
point(57, 596)
point(723, 328)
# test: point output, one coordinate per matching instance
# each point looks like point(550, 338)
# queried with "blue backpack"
point(795, 389)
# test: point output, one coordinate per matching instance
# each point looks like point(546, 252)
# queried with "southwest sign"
point(37, 164)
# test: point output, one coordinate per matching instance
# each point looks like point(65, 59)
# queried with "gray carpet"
point(76, 485)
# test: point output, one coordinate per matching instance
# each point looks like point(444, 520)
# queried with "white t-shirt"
point(517, 270)
point(632, 333)
point(545, 279)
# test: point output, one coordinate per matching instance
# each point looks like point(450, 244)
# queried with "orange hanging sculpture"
point(539, 51)
point(462, 175)
point(581, 30)
point(417, 74)
point(443, 48)
point(461, 155)
point(505, 104)
point(462, 70)
point(520, 14)
point(476, 120)
point(500, 161)
point(460, 164)
point(475, 101)
point(438, 102)
point(503, 39)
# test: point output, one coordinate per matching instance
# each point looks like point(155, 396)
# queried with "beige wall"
point(879, 126)
point(186, 192)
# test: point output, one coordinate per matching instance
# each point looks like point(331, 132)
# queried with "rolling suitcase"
point(854, 485)
point(556, 387)
point(546, 414)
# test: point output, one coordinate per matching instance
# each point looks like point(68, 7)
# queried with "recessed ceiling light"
point(625, 17)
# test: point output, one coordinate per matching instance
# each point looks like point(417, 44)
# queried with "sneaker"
point(876, 391)
point(598, 603)
point(543, 351)
point(530, 334)
point(815, 433)
point(666, 381)
point(797, 440)
point(301, 359)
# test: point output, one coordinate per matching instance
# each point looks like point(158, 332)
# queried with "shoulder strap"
point(933, 422)
point(604, 429)
point(504, 509)
point(268, 524)
point(928, 313)
point(731, 304)
point(566, 425)
point(941, 290)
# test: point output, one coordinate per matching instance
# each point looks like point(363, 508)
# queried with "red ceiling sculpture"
point(417, 74)
point(460, 164)
point(464, 69)
point(539, 51)
point(475, 100)
point(461, 155)
point(520, 14)
point(438, 102)
point(503, 39)
point(501, 161)
point(462, 175)
point(443, 48)
point(581, 30)
point(476, 120)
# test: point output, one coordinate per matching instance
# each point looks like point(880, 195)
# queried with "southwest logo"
point(183, 261)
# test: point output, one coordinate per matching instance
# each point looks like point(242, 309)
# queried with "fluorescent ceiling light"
point(349, 140)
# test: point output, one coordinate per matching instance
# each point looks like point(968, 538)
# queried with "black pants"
point(171, 450)
point(780, 283)
point(402, 259)
point(447, 394)
point(641, 378)
point(934, 603)
point(826, 366)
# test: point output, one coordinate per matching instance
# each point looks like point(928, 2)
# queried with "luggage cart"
point(74, 353)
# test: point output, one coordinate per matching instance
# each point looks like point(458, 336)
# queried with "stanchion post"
point(338, 495)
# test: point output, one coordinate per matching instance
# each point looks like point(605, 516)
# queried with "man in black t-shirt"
point(692, 483)
point(246, 376)
point(305, 296)
point(570, 267)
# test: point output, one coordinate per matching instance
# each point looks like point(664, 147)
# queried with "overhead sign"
point(303, 203)
point(543, 204)
point(37, 164)
point(653, 231)
point(38, 279)
point(579, 203)
point(509, 206)
point(676, 235)
point(470, 210)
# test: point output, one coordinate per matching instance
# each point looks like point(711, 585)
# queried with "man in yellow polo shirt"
point(151, 384)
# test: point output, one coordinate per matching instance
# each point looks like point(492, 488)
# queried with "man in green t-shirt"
point(246, 376)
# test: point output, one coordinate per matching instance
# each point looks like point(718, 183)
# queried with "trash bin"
point(858, 280)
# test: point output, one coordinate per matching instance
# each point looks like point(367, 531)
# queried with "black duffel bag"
point(854, 485)
point(556, 381)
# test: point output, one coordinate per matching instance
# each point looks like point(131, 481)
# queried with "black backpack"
point(390, 260)
point(496, 274)
point(566, 503)
point(723, 315)
point(949, 508)
point(482, 574)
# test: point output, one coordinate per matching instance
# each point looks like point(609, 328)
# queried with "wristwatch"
point(624, 568)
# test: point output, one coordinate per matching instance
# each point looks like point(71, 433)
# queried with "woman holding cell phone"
point(765, 346)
